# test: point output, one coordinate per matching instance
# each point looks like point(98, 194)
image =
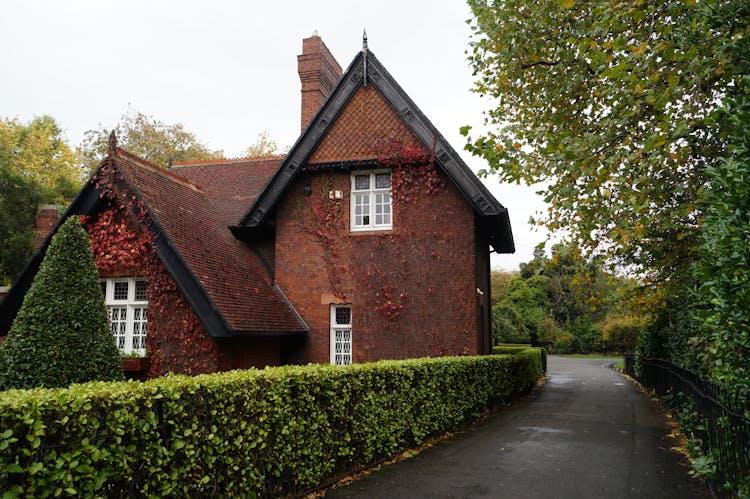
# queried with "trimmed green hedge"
point(242, 433)
point(513, 350)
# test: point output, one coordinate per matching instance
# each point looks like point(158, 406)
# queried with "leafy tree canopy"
point(38, 152)
point(612, 105)
point(499, 281)
point(61, 334)
point(265, 147)
point(19, 197)
point(148, 138)
point(36, 166)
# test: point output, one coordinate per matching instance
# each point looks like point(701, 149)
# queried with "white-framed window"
point(371, 207)
point(127, 308)
point(341, 335)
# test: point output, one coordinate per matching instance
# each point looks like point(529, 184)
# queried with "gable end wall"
point(425, 267)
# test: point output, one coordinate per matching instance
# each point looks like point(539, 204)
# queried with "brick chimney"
point(46, 218)
point(318, 72)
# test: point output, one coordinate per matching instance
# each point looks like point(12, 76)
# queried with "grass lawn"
point(593, 356)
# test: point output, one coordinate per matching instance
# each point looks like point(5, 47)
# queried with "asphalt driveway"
point(587, 433)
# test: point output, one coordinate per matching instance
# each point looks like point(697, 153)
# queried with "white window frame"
point(342, 357)
point(136, 315)
point(371, 194)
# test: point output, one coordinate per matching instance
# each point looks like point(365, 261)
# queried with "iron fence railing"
point(721, 426)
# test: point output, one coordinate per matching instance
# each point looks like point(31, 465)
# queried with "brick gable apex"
point(360, 131)
point(365, 71)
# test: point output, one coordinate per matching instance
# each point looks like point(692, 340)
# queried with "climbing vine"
point(389, 303)
point(123, 244)
point(321, 219)
point(412, 170)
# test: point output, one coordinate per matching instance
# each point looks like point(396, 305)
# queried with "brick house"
point(369, 240)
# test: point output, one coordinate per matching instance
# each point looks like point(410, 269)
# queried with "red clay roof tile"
point(195, 208)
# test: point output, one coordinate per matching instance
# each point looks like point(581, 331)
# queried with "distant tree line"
point(565, 303)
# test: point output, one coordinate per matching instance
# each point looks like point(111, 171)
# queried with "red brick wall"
point(46, 218)
point(426, 262)
point(251, 351)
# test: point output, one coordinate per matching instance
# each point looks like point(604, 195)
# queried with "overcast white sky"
point(227, 70)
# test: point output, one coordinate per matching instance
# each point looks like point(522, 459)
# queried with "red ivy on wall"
point(123, 245)
point(412, 170)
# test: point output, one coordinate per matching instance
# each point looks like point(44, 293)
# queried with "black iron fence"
point(720, 422)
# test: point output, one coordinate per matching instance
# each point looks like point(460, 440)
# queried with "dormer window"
point(371, 201)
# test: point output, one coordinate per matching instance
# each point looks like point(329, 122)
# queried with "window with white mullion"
point(118, 318)
point(371, 207)
point(127, 308)
point(139, 328)
point(341, 335)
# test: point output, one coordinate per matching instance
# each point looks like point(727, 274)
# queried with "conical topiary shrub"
point(61, 334)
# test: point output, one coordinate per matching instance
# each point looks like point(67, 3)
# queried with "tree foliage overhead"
point(61, 334)
point(612, 104)
point(148, 138)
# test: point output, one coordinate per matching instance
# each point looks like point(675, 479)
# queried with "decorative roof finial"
point(364, 54)
point(112, 143)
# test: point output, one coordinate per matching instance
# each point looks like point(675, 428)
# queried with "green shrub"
point(508, 350)
point(270, 433)
point(587, 337)
point(564, 343)
point(620, 331)
point(508, 325)
point(61, 335)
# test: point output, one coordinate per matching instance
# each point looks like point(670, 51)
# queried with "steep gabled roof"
point(365, 69)
point(221, 278)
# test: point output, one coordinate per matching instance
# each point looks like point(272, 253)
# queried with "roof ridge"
point(168, 174)
point(224, 161)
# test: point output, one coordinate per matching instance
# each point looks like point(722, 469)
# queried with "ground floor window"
point(341, 335)
point(127, 308)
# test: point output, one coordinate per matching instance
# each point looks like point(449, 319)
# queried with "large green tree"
point(19, 198)
point(612, 106)
point(36, 166)
point(265, 147)
point(61, 334)
point(148, 138)
point(39, 152)
point(723, 271)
